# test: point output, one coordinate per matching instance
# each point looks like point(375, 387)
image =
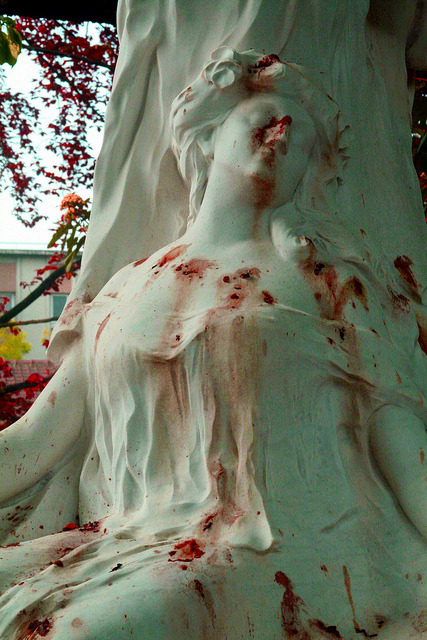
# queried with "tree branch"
point(24, 322)
point(53, 52)
point(38, 291)
point(23, 385)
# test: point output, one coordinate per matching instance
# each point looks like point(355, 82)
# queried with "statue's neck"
point(236, 208)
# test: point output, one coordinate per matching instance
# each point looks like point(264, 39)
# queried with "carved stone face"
point(267, 138)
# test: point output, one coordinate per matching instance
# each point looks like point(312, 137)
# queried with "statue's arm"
point(31, 446)
point(399, 446)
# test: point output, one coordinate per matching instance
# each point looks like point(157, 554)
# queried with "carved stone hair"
point(227, 79)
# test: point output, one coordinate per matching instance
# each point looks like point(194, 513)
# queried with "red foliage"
point(76, 74)
point(14, 404)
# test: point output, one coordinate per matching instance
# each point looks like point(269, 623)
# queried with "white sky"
point(14, 234)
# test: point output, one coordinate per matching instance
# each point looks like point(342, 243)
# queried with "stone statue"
point(233, 445)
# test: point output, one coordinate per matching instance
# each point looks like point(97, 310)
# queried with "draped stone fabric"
point(234, 442)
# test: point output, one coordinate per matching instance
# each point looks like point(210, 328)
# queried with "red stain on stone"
point(38, 628)
point(403, 264)
point(422, 455)
point(52, 398)
point(138, 262)
point(290, 609)
point(347, 583)
point(112, 295)
point(172, 254)
point(206, 597)
point(69, 527)
point(91, 526)
point(399, 302)
point(186, 551)
point(324, 568)
point(76, 623)
point(331, 630)
point(194, 268)
point(422, 331)
point(264, 190)
point(271, 137)
point(101, 329)
point(249, 274)
point(268, 298)
point(71, 311)
point(267, 61)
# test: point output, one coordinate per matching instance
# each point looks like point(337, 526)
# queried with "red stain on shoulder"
point(186, 551)
point(138, 262)
point(172, 254)
point(194, 268)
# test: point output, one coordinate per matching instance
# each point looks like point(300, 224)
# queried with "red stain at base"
point(52, 398)
point(186, 551)
point(290, 609)
point(331, 630)
point(268, 298)
point(101, 329)
point(138, 262)
point(194, 268)
point(403, 265)
point(172, 254)
point(76, 623)
point(91, 526)
point(69, 527)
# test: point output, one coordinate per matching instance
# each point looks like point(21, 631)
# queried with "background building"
point(20, 265)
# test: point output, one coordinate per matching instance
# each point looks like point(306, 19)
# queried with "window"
point(58, 301)
point(11, 296)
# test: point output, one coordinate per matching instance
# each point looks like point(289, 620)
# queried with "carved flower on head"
point(224, 69)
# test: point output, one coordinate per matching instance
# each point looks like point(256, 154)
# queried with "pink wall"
point(7, 276)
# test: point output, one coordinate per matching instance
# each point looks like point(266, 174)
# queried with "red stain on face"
point(267, 61)
point(271, 137)
point(264, 190)
point(186, 551)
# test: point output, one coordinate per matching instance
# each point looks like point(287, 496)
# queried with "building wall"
point(20, 265)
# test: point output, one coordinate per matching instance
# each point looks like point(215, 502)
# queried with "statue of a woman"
point(243, 462)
